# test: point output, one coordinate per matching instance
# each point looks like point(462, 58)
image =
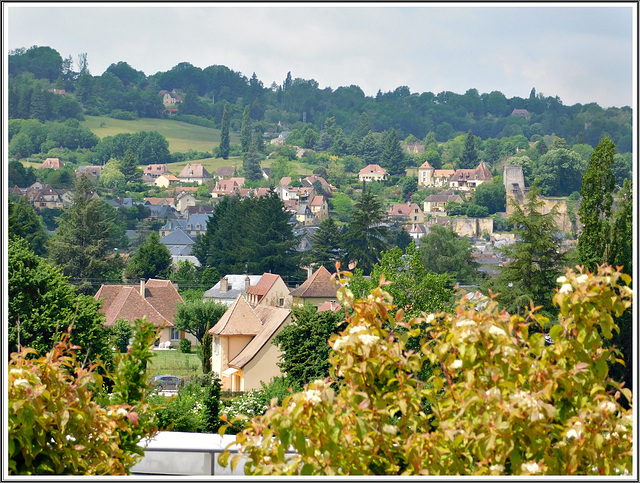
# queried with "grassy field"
point(181, 136)
point(175, 363)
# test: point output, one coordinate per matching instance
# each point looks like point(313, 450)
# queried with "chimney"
point(142, 287)
point(247, 282)
point(224, 284)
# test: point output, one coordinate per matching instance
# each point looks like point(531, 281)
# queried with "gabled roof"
point(425, 165)
point(236, 286)
point(264, 284)
point(239, 319)
point(194, 171)
point(54, 163)
point(125, 301)
point(373, 168)
point(319, 284)
point(177, 237)
point(403, 210)
point(317, 200)
point(272, 319)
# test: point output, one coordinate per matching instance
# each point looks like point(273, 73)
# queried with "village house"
point(183, 200)
point(415, 230)
point(279, 141)
point(470, 179)
point(229, 287)
point(53, 163)
point(406, 213)
point(166, 180)
point(310, 180)
point(179, 245)
point(242, 352)
point(197, 224)
point(316, 290)
point(436, 203)
point(320, 208)
point(170, 99)
point(225, 172)
point(226, 187)
point(372, 172)
point(156, 170)
point(94, 171)
point(270, 290)
point(194, 173)
point(428, 176)
point(154, 299)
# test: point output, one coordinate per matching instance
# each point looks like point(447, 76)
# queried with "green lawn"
point(175, 363)
point(181, 136)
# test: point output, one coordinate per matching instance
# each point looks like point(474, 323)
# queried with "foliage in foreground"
point(502, 401)
point(60, 421)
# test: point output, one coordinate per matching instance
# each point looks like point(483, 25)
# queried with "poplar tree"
point(245, 132)
point(469, 158)
point(392, 156)
point(224, 133)
point(598, 183)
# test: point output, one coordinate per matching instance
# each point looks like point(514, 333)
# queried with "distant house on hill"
point(155, 170)
point(470, 179)
point(53, 163)
point(372, 172)
point(194, 173)
point(521, 112)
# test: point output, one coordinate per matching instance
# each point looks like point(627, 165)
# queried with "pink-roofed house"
point(316, 290)
point(373, 172)
point(155, 170)
point(226, 187)
point(406, 213)
point(270, 290)
point(154, 299)
point(242, 353)
point(428, 176)
point(53, 163)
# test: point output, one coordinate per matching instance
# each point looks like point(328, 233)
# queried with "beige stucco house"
point(242, 353)
point(372, 172)
point(270, 290)
point(316, 290)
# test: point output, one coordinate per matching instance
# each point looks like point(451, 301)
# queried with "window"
point(216, 345)
point(175, 334)
point(281, 302)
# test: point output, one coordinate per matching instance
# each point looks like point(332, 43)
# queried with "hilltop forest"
point(325, 117)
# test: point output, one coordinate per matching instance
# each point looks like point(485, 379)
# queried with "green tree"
point(393, 158)
point(152, 259)
point(246, 130)
point(84, 239)
point(325, 245)
point(559, 172)
point(112, 176)
point(19, 176)
point(224, 133)
point(24, 222)
point(205, 348)
point(43, 305)
point(492, 195)
point(211, 405)
point(129, 167)
point(365, 238)
point(598, 183)
point(535, 259)
point(469, 158)
point(21, 146)
point(196, 315)
point(251, 165)
point(304, 344)
point(444, 252)
point(121, 334)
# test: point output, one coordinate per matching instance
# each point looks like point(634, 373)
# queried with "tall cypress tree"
point(224, 133)
point(251, 165)
point(129, 167)
point(598, 183)
point(392, 157)
point(469, 158)
point(245, 131)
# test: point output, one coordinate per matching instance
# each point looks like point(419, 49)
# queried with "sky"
point(580, 52)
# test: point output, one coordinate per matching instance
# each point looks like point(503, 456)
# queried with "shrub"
point(501, 399)
point(123, 115)
point(185, 346)
point(61, 421)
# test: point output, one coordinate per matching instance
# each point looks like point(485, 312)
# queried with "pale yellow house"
point(270, 290)
point(242, 353)
point(166, 180)
point(316, 290)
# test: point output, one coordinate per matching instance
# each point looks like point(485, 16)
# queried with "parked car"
point(167, 383)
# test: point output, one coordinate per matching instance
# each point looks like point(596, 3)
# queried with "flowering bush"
point(246, 406)
point(501, 400)
point(62, 422)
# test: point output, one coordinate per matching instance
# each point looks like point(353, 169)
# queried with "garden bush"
point(501, 400)
point(63, 422)
point(185, 346)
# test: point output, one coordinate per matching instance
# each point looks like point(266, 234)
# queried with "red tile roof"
point(319, 284)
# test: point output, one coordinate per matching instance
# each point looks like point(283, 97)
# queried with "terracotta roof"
point(319, 284)
point(272, 318)
point(481, 172)
point(317, 200)
point(239, 319)
point(333, 306)
point(443, 173)
point(285, 181)
point(373, 168)
point(425, 165)
point(403, 210)
point(54, 163)
point(264, 284)
point(126, 302)
point(156, 168)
